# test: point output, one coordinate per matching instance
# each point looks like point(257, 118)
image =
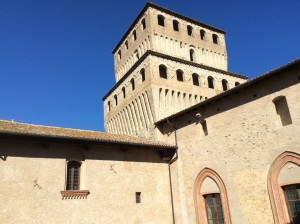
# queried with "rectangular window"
point(137, 197)
point(292, 195)
point(214, 209)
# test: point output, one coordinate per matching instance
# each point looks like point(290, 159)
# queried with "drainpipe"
point(169, 166)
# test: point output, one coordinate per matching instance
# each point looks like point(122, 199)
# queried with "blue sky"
point(56, 62)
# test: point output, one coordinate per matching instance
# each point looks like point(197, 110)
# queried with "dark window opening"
point(190, 30)
point(143, 75)
point(195, 79)
point(120, 54)
point(137, 197)
point(236, 83)
point(144, 24)
point(175, 25)
point(192, 53)
point(292, 197)
point(161, 20)
point(215, 39)
point(210, 81)
point(108, 105)
point(134, 35)
point(163, 71)
point(202, 34)
point(282, 109)
point(73, 175)
point(179, 75)
point(124, 93)
point(224, 84)
point(214, 209)
point(126, 44)
point(116, 100)
point(132, 84)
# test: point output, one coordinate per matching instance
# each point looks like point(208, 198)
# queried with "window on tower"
point(215, 39)
point(161, 20)
point(175, 25)
point(163, 71)
point(190, 30)
point(179, 75)
point(202, 34)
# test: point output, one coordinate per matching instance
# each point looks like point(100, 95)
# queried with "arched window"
point(143, 23)
point(190, 30)
point(126, 44)
point(175, 25)
point(108, 104)
point(116, 99)
point(195, 79)
point(134, 35)
point(215, 39)
point(163, 71)
point(282, 110)
point(284, 189)
point(120, 54)
point(236, 83)
point(124, 93)
point(192, 55)
point(161, 20)
point(211, 207)
point(73, 175)
point(132, 84)
point(143, 74)
point(202, 34)
point(179, 75)
point(210, 81)
point(224, 84)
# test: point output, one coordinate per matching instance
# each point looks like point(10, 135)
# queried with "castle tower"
point(164, 63)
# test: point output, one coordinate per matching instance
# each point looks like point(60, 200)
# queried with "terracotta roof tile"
point(16, 128)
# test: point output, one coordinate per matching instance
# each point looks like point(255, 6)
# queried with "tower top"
point(167, 11)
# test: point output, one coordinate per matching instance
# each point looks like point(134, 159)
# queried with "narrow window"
point(108, 105)
point(282, 110)
point(136, 53)
point(116, 100)
point(124, 93)
point(190, 30)
point(132, 84)
point(175, 25)
point(163, 71)
point(210, 81)
point(73, 175)
point(236, 83)
point(126, 44)
point(224, 84)
point(143, 74)
point(120, 54)
point(137, 197)
point(195, 79)
point(204, 127)
point(143, 24)
point(214, 208)
point(292, 197)
point(202, 34)
point(161, 20)
point(215, 39)
point(134, 35)
point(179, 75)
point(192, 53)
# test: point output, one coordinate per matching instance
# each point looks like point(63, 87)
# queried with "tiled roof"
point(22, 129)
point(233, 90)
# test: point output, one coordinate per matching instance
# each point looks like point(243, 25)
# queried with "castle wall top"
point(148, 5)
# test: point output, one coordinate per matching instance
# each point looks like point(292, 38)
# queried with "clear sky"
point(56, 62)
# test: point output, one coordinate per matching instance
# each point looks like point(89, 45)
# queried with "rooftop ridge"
point(150, 4)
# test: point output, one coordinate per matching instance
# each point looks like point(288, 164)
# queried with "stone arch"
point(201, 215)
point(276, 193)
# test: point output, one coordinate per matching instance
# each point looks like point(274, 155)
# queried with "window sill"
point(75, 194)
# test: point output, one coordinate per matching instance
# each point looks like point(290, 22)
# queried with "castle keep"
point(186, 140)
